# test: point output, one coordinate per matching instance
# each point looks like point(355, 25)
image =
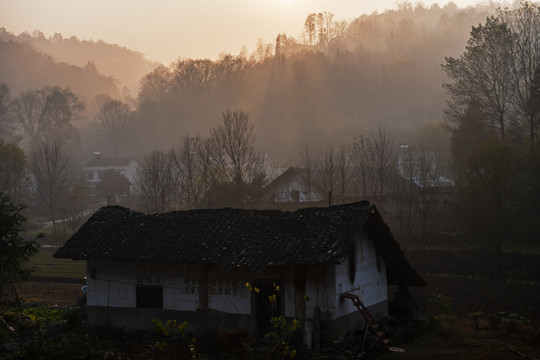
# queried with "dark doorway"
point(263, 307)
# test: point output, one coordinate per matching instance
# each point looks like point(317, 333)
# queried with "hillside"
point(22, 68)
point(125, 65)
point(322, 87)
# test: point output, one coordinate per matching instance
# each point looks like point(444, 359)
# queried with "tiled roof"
point(233, 238)
point(301, 175)
point(113, 161)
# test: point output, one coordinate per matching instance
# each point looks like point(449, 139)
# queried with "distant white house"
point(98, 165)
point(291, 186)
point(421, 168)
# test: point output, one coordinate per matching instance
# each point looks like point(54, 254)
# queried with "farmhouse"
point(292, 186)
point(217, 268)
point(98, 165)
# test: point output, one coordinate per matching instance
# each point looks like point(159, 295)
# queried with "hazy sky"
point(167, 29)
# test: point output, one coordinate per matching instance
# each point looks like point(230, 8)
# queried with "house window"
point(89, 175)
point(150, 297)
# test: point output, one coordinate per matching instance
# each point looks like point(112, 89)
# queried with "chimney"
point(97, 155)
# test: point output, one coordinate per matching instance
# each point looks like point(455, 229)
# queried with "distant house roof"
point(105, 162)
point(234, 238)
point(287, 174)
point(352, 180)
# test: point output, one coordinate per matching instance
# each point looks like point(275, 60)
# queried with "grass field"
point(50, 268)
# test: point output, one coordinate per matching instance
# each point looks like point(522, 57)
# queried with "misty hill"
point(325, 86)
point(22, 68)
point(123, 64)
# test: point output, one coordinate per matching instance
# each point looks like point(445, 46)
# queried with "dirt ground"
point(51, 293)
point(457, 338)
point(472, 324)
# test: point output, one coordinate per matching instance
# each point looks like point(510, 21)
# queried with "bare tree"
point(115, 117)
point(325, 27)
point(428, 174)
point(156, 181)
point(362, 165)
point(416, 193)
point(155, 84)
point(310, 26)
point(192, 158)
point(193, 75)
point(230, 70)
point(15, 176)
point(55, 118)
point(320, 21)
point(326, 172)
point(263, 51)
point(340, 27)
point(382, 157)
point(4, 99)
point(234, 148)
point(48, 112)
point(406, 204)
point(6, 126)
point(27, 111)
point(524, 22)
point(343, 180)
point(236, 163)
point(487, 189)
point(483, 73)
point(308, 163)
point(50, 166)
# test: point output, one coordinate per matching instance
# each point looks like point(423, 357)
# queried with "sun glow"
point(286, 2)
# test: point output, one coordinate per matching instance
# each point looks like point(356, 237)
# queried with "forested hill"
point(125, 65)
point(23, 68)
point(331, 84)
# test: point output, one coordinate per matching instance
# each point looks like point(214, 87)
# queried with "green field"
point(49, 268)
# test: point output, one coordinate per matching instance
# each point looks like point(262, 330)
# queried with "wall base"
point(209, 322)
point(202, 322)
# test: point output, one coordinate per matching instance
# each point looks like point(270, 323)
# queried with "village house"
point(423, 169)
point(99, 165)
point(292, 187)
point(301, 186)
point(217, 268)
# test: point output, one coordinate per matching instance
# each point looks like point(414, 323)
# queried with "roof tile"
point(237, 238)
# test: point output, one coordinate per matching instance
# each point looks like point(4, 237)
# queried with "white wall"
point(115, 283)
point(369, 283)
point(228, 291)
point(283, 192)
point(128, 171)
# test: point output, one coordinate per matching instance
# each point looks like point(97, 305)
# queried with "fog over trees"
point(328, 84)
